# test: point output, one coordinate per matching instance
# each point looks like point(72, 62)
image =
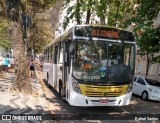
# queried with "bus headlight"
point(76, 87)
point(130, 86)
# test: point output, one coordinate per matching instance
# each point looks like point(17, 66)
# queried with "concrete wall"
point(140, 67)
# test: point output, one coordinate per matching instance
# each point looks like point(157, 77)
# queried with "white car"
point(146, 88)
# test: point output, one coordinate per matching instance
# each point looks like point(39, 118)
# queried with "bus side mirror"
point(72, 48)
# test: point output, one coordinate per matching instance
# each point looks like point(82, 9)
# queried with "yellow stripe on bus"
point(103, 91)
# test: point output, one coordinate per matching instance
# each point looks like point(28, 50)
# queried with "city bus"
point(91, 65)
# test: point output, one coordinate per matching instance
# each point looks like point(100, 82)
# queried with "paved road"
point(137, 108)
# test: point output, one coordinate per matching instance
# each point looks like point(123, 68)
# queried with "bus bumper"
point(77, 99)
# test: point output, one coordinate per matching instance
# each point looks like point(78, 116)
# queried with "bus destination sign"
point(103, 32)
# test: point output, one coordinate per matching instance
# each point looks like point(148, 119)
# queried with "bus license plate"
point(103, 100)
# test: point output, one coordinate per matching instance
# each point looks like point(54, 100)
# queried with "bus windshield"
point(102, 61)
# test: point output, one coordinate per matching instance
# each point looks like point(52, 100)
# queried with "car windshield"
point(101, 61)
point(153, 82)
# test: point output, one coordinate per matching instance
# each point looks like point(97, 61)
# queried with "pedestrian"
point(32, 68)
point(6, 63)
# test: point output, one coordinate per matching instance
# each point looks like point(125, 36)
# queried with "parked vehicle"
point(146, 88)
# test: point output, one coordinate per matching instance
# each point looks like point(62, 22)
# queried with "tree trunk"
point(148, 61)
point(77, 16)
point(88, 16)
point(102, 20)
point(21, 81)
point(88, 12)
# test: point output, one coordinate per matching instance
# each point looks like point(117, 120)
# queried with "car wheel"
point(144, 95)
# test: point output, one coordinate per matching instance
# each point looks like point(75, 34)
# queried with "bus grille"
point(103, 91)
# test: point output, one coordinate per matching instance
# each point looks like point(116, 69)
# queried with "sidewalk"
point(18, 103)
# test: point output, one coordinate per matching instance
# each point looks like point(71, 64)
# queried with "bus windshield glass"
point(101, 61)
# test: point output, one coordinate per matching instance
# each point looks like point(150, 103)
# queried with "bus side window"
point(60, 53)
point(56, 54)
point(61, 56)
point(48, 54)
point(53, 51)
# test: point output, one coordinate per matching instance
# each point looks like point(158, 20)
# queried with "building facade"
point(141, 67)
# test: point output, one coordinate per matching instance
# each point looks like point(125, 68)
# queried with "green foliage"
point(148, 9)
point(118, 11)
point(29, 8)
point(112, 10)
point(4, 38)
point(74, 11)
point(40, 32)
point(149, 40)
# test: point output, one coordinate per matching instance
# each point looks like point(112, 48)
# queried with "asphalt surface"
point(48, 101)
point(137, 111)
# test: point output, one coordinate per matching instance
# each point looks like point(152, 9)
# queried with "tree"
point(39, 33)
point(14, 9)
point(21, 80)
point(109, 12)
point(148, 39)
point(102, 9)
point(5, 41)
point(148, 42)
point(120, 11)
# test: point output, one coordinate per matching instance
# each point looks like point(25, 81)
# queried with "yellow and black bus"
point(92, 65)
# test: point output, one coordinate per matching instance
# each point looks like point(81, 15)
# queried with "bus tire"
point(48, 81)
point(60, 89)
